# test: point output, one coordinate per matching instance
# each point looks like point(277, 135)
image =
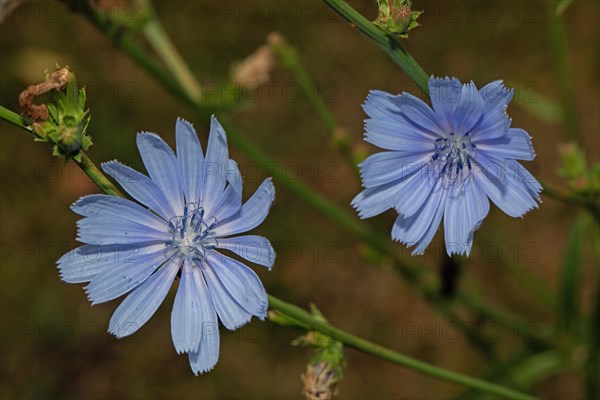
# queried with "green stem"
point(557, 38)
point(306, 319)
point(85, 163)
point(386, 42)
point(167, 52)
point(427, 286)
point(391, 356)
point(420, 77)
point(567, 197)
point(97, 176)
point(592, 366)
point(288, 57)
point(541, 333)
point(15, 119)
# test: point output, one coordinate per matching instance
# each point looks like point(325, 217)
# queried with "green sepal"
point(396, 17)
point(67, 122)
point(581, 178)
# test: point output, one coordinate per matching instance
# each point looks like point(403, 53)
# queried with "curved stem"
point(565, 196)
point(420, 77)
point(306, 319)
point(558, 46)
point(388, 43)
point(97, 176)
point(592, 366)
point(85, 163)
point(391, 356)
point(167, 51)
point(420, 279)
point(288, 57)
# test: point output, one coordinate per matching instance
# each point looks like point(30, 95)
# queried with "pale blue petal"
point(457, 228)
point(206, 356)
point(215, 166)
point(115, 282)
point(112, 207)
point(468, 110)
point(388, 133)
point(230, 201)
point(241, 283)
point(477, 204)
point(191, 160)
point(389, 166)
point(513, 196)
point(225, 288)
point(515, 144)
point(188, 311)
point(410, 230)
point(379, 106)
point(100, 230)
point(140, 187)
point(427, 237)
point(494, 122)
point(387, 121)
point(415, 190)
point(85, 262)
point(496, 96)
point(142, 303)
point(419, 113)
point(375, 200)
point(444, 94)
point(491, 126)
point(520, 175)
point(252, 213)
point(256, 249)
point(162, 166)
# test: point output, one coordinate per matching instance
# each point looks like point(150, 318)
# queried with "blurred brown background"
point(55, 345)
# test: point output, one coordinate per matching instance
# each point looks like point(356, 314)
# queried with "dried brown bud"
point(57, 81)
point(256, 68)
point(320, 382)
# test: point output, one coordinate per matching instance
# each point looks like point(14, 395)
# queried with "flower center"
point(191, 234)
point(455, 152)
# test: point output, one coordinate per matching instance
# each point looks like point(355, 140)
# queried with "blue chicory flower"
point(191, 206)
point(447, 162)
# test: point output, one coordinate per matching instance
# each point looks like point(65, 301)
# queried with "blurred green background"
point(53, 344)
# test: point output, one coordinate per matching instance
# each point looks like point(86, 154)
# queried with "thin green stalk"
point(565, 196)
point(294, 312)
point(380, 243)
point(420, 77)
point(391, 356)
point(592, 366)
point(15, 119)
point(85, 163)
point(167, 51)
point(288, 57)
point(557, 38)
point(97, 176)
point(524, 328)
point(388, 43)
